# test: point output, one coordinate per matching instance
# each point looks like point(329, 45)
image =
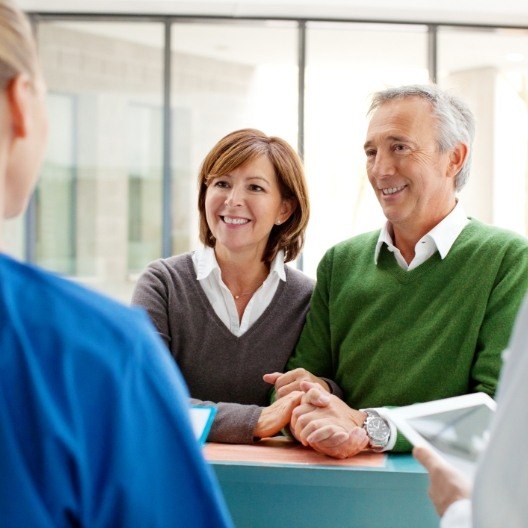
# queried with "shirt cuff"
point(393, 430)
point(457, 515)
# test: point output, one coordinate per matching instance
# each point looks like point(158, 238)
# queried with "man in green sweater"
point(418, 311)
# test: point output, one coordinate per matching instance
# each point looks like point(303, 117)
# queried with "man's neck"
point(405, 237)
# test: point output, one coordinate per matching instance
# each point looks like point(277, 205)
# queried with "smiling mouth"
point(234, 221)
point(392, 190)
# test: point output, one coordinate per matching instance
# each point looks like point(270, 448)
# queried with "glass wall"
point(345, 64)
point(14, 237)
point(489, 69)
point(98, 202)
point(111, 173)
point(225, 76)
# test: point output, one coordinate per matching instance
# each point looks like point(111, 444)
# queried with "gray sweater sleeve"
point(221, 369)
point(234, 423)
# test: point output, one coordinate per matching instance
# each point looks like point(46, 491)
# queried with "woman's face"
point(29, 119)
point(242, 207)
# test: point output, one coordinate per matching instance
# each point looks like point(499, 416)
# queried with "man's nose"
point(382, 165)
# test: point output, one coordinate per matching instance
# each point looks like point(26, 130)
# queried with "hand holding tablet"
point(457, 428)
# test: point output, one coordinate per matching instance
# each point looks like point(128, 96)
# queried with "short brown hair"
point(242, 146)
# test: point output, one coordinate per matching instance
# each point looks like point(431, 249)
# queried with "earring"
point(278, 222)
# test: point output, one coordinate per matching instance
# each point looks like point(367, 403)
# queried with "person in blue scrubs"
point(94, 424)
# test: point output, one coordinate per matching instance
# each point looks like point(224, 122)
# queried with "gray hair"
point(456, 123)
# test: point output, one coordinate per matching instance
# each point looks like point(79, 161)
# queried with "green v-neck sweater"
point(391, 337)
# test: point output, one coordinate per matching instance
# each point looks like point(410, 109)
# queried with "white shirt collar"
point(206, 264)
point(443, 235)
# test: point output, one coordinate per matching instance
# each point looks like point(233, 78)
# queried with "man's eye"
point(370, 153)
point(400, 148)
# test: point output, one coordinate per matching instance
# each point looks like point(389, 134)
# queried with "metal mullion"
point(166, 245)
point(432, 53)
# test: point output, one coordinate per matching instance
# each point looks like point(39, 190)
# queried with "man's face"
point(413, 181)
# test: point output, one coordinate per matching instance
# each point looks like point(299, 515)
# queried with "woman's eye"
point(221, 184)
point(256, 188)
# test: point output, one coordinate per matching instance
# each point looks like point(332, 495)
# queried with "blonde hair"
point(236, 149)
point(18, 53)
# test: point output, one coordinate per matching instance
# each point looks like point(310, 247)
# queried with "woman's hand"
point(277, 415)
point(291, 381)
point(447, 484)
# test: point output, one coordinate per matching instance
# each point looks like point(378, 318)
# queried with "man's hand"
point(447, 484)
point(277, 415)
point(327, 424)
point(291, 381)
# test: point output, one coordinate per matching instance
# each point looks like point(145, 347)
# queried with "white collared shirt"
point(210, 276)
point(441, 238)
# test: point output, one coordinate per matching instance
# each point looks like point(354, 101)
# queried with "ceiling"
point(496, 12)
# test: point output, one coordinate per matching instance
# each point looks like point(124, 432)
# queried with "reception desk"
point(278, 483)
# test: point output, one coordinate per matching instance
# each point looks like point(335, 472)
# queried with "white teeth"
point(392, 190)
point(239, 221)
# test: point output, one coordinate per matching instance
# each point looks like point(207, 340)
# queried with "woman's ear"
point(287, 208)
point(18, 93)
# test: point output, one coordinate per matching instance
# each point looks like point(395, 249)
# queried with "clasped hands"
point(317, 418)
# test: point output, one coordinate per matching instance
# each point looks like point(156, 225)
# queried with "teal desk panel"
point(393, 495)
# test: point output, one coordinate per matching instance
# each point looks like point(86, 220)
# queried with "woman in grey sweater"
point(231, 311)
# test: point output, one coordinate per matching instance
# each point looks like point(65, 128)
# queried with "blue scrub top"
point(94, 425)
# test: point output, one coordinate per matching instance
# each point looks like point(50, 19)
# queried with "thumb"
point(272, 377)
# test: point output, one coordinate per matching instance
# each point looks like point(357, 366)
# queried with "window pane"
point(345, 64)
point(225, 77)
point(489, 69)
point(99, 198)
point(13, 237)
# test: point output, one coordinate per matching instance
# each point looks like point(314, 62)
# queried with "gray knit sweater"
point(218, 366)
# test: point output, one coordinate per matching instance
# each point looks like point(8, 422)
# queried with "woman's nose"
point(234, 198)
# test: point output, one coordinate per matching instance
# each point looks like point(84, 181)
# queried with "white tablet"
point(457, 428)
point(202, 418)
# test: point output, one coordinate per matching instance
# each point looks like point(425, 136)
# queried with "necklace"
point(246, 293)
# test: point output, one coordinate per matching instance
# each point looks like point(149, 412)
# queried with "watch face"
point(378, 429)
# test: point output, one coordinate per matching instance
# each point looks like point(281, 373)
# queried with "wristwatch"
point(378, 430)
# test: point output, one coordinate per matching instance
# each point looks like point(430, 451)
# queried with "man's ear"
point(18, 99)
point(457, 157)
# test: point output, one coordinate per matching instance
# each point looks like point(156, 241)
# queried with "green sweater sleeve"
point(504, 300)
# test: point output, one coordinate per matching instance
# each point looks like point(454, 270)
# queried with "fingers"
point(340, 444)
point(315, 395)
point(272, 377)
point(293, 399)
point(427, 457)
point(277, 415)
point(329, 435)
point(307, 385)
point(289, 381)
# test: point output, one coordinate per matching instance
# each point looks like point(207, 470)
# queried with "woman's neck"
point(242, 273)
